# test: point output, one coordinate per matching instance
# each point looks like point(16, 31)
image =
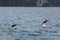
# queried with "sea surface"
point(28, 20)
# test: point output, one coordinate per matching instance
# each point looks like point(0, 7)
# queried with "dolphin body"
point(44, 22)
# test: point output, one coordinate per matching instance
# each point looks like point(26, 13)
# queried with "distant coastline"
point(30, 3)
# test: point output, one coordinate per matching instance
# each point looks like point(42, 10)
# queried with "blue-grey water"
point(28, 20)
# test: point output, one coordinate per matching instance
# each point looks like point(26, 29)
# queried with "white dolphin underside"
point(44, 24)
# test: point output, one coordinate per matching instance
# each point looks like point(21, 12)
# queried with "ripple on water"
point(55, 35)
point(46, 39)
point(57, 25)
point(32, 33)
point(53, 31)
point(17, 39)
point(47, 27)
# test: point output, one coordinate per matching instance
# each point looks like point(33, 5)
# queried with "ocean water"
point(28, 20)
